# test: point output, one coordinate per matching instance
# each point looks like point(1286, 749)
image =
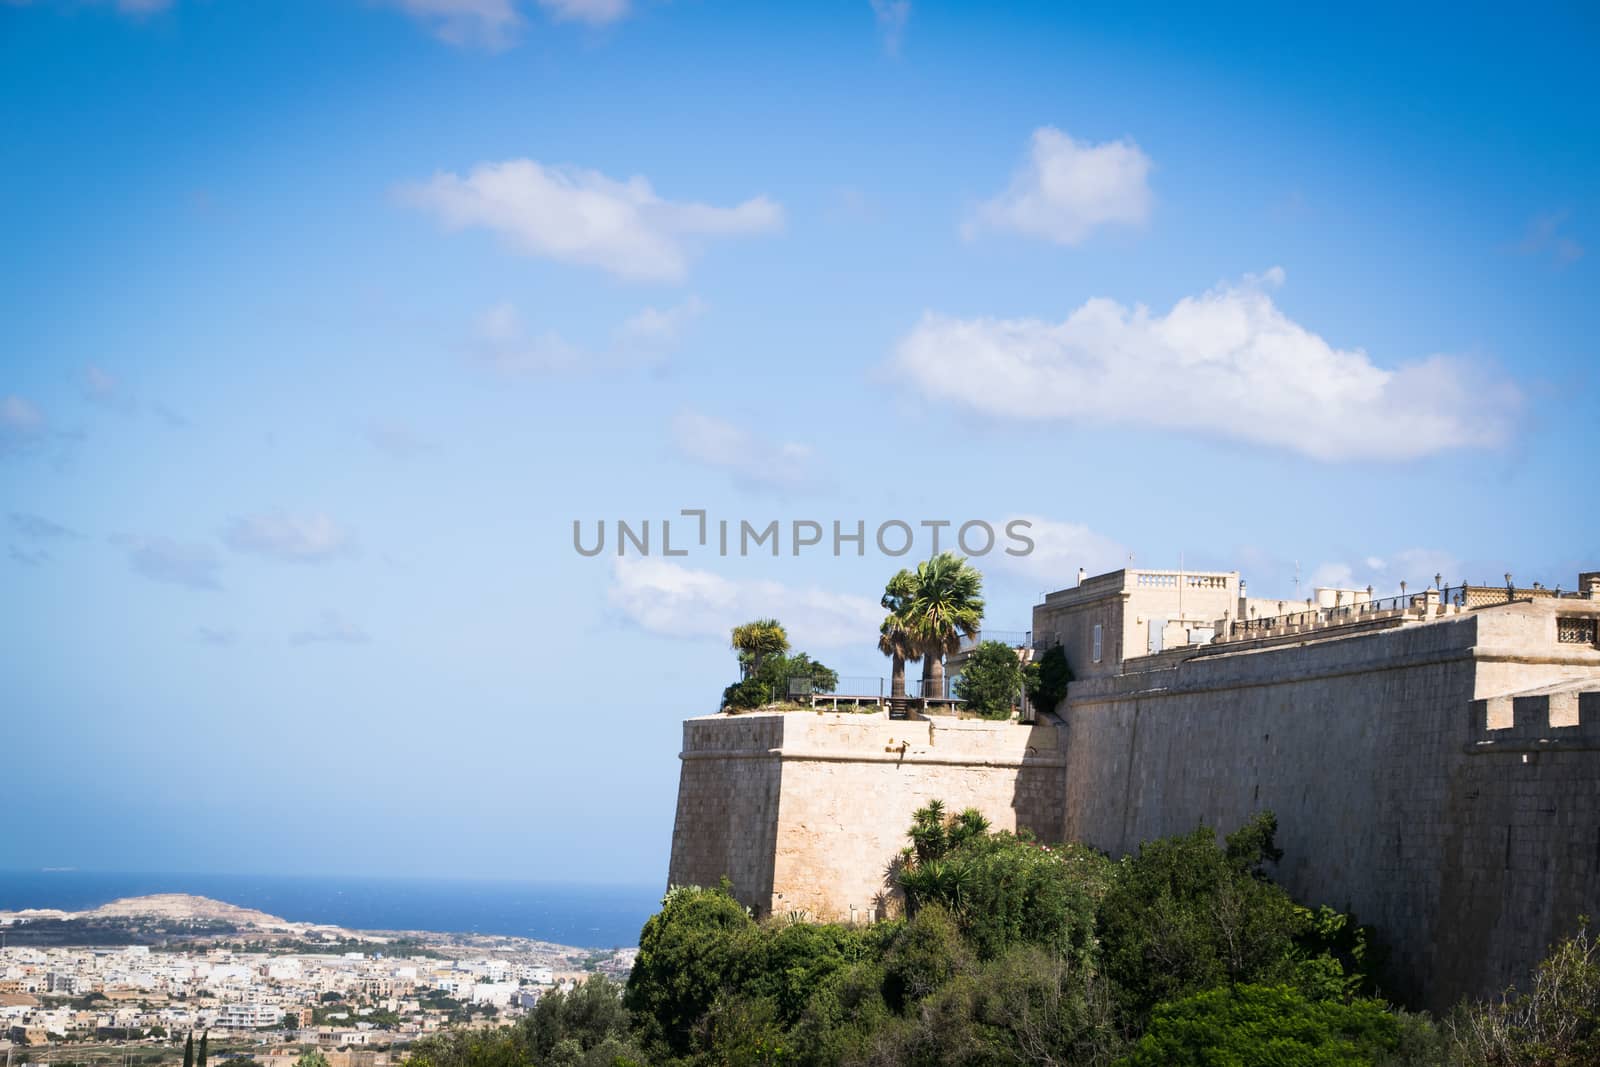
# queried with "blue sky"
point(323, 321)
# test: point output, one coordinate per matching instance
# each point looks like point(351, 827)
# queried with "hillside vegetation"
point(1011, 951)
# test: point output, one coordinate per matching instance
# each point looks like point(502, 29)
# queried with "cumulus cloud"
point(220, 636)
point(592, 12)
point(1227, 363)
point(290, 538)
point(331, 628)
point(41, 535)
point(398, 441)
point(505, 344)
point(573, 215)
point(22, 426)
point(751, 460)
point(1069, 188)
point(1414, 566)
point(654, 329)
point(677, 601)
point(892, 16)
point(492, 25)
point(1059, 549)
point(37, 527)
point(99, 386)
point(162, 559)
point(1545, 238)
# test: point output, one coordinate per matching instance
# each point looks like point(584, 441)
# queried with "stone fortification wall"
point(805, 811)
point(1365, 747)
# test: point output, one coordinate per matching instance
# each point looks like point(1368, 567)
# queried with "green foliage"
point(1030, 1006)
point(991, 681)
point(1555, 1023)
point(591, 1014)
point(770, 680)
point(1002, 889)
point(1014, 952)
point(312, 1059)
point(926, 954)
point(943, 604)
point(689, 952)
point(756, 640)
point(1264, 1026)
point(1047, 678)
point(1184, 916)
point(789, 960)
point(842, 1015)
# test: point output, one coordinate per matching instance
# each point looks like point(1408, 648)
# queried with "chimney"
point(1081, 575)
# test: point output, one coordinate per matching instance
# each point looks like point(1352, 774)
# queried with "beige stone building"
point(1433, 760)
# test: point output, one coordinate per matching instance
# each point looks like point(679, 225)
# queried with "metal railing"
point(1339, 613)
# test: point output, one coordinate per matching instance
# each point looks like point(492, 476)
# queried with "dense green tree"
point(991, 680)
point(927, 952)
point(200, 1053)
point(1031, 1006)
point(1264, 1026)
point(1185, 915)
point(1047, 678)
point(188, 1050)
point(689, 953)
point(842, 1016)
point(790, 959)
point(590, 1014)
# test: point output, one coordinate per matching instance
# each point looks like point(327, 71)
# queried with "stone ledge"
point(918, 758)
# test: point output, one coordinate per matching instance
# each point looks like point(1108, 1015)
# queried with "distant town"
point(146, 973)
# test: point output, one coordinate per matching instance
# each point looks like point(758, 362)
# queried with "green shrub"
point(991, 681)
point(1264, 1026)
point(927, 953)
point(1184, 916)
point(1046, 679)
point(689, 953)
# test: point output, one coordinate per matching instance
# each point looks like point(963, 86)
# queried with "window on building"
point(1099, 635)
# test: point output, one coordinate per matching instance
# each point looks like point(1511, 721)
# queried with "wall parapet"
point(1562, 717)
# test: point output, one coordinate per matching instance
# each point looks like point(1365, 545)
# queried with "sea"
point(589, 916)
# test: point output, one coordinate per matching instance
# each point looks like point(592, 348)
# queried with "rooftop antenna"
point(1297, 579)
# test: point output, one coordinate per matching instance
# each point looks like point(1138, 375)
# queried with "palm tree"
point(755, 641)
point(945, 606)
point(894, 638)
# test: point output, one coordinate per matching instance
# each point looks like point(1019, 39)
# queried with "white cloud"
point(593, 12)
point(1414, 566)
point(99, 386)
point(892, 16)
point(399, 441)
point(331, 629)
point(1227, 363)
point(290, 538)
point(489, 24)
point(656, 328)
point(750, 459)
point(174, 562)
point(1059, 549)
point(678, 601)
point(1544, 237)
point(573, 215)
point(1067, 188)
point(21, 425)
point(505, 344)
